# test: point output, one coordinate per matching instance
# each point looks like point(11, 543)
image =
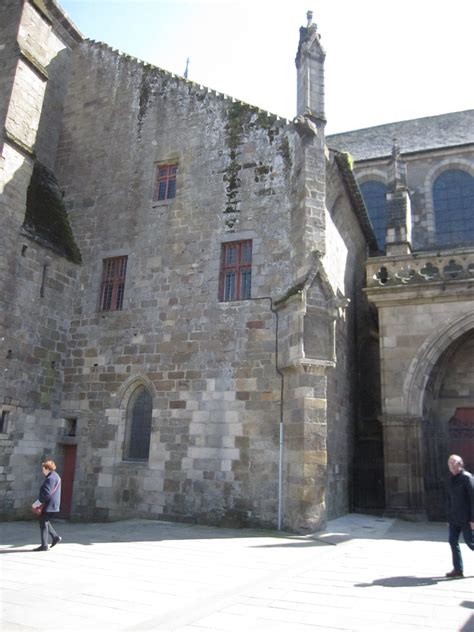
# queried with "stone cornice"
point(34, 64)
point(400, 420)
point(18, 144)
point(307, 365)
point(53, 13)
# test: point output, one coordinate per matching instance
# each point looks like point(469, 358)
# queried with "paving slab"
point(362, 573)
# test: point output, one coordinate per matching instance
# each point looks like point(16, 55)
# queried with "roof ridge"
point(391, 123)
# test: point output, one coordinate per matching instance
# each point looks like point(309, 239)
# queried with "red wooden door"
point(69, 468)
point(461, 436)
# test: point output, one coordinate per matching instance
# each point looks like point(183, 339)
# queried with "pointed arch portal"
point(440, 391)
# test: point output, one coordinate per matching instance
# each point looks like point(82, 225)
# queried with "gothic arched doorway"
point(448, 414)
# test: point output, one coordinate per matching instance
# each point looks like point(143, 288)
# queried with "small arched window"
point(138, 427)
point(373, 193)
point(453, 199)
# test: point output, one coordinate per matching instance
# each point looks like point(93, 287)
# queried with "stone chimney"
point(398, 235)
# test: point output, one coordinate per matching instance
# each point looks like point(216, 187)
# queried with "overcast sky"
point(386, 61)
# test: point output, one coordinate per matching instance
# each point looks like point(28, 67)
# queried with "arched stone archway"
point(428, 356)
point(440, 379)
point(447, 427)
point(416, 415)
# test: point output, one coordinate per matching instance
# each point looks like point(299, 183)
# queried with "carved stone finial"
point(395, 147)
point(397, 168)
point(309, 17)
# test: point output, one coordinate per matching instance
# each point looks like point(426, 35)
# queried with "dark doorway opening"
point(461, 436)
point(69, 469)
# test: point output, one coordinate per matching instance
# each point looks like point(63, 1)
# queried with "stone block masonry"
point(210, 365)
point(36, 284)
point(158, 178)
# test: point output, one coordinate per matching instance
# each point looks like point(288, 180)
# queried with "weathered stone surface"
point(297, 361)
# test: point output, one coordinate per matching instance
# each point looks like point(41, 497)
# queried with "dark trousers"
point(455, 531)
point(46, 528)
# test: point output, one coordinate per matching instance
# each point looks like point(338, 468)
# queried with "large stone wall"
point(10, 12)
point(209, 365)
point(36, 285)
point(227, 379)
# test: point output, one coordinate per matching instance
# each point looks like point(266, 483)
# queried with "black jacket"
point(50, 492)
point(461, 498)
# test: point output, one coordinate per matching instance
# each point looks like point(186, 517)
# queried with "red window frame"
point(236, 271)
point(112, 290)
point(165, 182)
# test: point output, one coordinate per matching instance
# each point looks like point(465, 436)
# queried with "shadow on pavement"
point(5, 551)
point(404, 582)
point(18, 535)
point(403, 530)
point(469, 625)
point(294, 544)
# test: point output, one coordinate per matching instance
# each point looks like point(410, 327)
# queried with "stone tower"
point(310, 73)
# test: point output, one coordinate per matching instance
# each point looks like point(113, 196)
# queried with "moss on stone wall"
point(348, 160)
point(293, 291)
point(241, 119)
point(46, 217)
point(146, 90)
point(239, 115)
point(285, 152)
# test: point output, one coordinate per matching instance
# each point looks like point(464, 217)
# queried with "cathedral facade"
point(201, 318)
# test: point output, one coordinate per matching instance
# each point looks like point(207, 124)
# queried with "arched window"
point(373, 193)
point(138, 428)
point(453, 199)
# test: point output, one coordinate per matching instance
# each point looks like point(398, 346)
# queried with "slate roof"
point(422, 134)
point(342, 161)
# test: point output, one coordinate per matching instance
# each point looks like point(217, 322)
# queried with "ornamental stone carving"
point(415, 269)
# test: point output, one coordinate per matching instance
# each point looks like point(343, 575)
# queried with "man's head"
point(455, 464)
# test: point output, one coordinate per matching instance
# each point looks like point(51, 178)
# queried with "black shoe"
point(41, 548)
point(56, 540)
point(455, 573)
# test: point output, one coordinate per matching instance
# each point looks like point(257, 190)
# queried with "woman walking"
point(50, 496)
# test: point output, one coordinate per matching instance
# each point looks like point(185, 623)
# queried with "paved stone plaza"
point(362, 574)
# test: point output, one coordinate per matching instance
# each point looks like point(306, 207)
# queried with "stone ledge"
point(18, 144)
point(33, 63)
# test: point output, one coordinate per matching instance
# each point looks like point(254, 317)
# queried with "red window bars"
point(165, 185)
point(236, 271)
point(113, 283)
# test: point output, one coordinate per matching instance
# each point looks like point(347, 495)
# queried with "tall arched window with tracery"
point(138, 426)
point(373, 193)
point(453, 200)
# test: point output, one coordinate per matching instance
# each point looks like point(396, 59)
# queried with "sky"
point(385, 61)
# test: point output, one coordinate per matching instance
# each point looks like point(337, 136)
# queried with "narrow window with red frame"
point(236, 271)
point(113, 283)
point(165, 184)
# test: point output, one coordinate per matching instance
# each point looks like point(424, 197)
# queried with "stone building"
point(418, 181)
point(184, 324)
